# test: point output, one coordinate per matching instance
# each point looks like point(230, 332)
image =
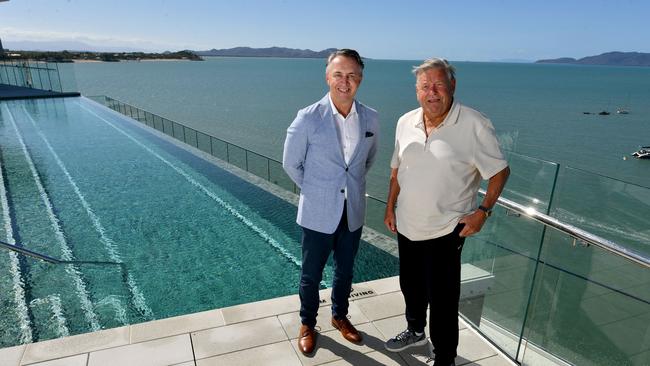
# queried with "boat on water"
point(603, 113)
point(642, 153)
point(622, 111)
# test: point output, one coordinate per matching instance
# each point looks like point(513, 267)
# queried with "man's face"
point(343, 75)
point(435, 93)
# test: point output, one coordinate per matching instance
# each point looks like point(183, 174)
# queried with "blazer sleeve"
point(295, 149)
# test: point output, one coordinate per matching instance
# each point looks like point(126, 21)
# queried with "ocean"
point(538, 111)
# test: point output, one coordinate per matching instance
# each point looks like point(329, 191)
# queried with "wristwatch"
point(486, 211)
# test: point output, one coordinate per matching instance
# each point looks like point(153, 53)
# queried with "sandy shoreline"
point(143, 60)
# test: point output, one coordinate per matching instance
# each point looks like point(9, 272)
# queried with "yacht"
point(642, 153)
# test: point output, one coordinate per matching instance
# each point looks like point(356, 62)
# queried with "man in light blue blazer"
point(329, 148)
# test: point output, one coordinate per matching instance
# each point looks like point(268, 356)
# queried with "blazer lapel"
point(329, 126)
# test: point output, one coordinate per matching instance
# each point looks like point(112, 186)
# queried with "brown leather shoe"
point(306, 339)
point(347, 330)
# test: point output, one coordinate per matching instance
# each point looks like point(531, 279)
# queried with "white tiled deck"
point(260, 333)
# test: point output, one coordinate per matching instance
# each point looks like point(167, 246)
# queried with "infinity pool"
point(80, 182)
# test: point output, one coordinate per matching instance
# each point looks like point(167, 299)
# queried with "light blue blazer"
point(313, 158)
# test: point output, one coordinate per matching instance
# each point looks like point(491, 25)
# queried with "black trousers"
point(316, 248)
point(430, 276)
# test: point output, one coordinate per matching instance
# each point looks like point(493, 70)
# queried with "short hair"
point(346, 52)
point(436, 63)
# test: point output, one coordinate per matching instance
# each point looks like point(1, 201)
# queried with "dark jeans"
point(429, 274)
point(316, 248)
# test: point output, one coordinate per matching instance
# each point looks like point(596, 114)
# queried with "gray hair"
point(436, 63)
point(346, 52)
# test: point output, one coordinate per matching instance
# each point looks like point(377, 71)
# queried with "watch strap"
point(485, 210)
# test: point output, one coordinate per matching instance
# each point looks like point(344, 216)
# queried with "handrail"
point(530, 212)
point(574, 232)
point(45, 258)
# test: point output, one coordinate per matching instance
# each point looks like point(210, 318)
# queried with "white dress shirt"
point(347, 130)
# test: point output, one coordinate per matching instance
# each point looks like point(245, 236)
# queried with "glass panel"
point(258, 165)
point(67, 77)
point(13, 74)
point(498, 265)
point(203, 142)
point(219, 148)
point(158, 123)
point(500, 261)
point(531, 181)
point(19, 73)
point(131, 112)
point(168, 127)
point(375, 210)
point(190, 136)
point(149, 117)
point(54, 81)
point(279, 177)
point(177, 131)
point(237, 156)
point(37, 76)
point(607, 207)
point(591, 307)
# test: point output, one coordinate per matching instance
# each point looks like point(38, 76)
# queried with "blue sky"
point(407, 29)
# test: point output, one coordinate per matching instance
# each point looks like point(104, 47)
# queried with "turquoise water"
point(537, 111)
point(83, 183)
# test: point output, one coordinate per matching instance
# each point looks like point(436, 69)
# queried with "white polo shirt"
point(439, 177)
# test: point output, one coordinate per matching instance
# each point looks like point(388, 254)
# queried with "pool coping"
point(241, 334)
point(12, 92)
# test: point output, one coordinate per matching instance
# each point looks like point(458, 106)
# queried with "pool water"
point(81, 182)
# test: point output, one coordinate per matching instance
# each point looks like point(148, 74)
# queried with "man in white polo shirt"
point(442, 150)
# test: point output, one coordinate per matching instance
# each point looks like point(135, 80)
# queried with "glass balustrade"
point(49, 76)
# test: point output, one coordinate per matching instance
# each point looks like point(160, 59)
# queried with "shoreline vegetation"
point(88, 56)
point(608, 59)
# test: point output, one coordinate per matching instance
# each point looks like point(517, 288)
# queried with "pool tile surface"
point(164, 351)
point(176, 325)
point(68, 346)
point(78, 360)
point(236, 337)
point(263, 332)
point(12, 355)
point(275, 354)
point(260, 309)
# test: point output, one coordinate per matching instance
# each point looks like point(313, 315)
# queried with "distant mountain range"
point(609, 58)
point(266, 52)
point(76, 46)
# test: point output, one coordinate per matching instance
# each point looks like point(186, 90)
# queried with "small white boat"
point(622, 111)
point(642, 153)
